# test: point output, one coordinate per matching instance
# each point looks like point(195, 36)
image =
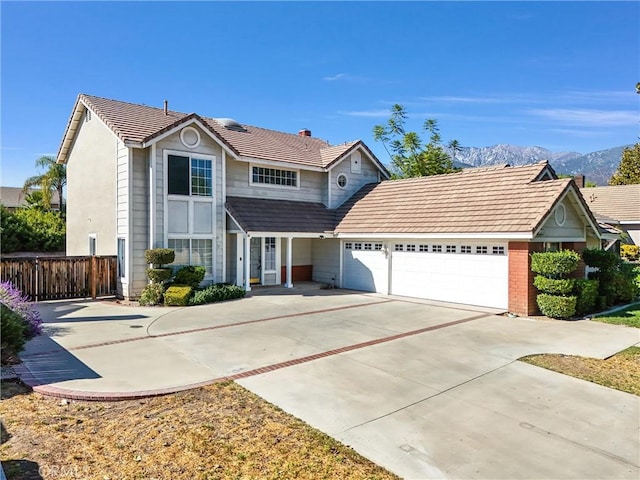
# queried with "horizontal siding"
point(312, 185)
point(368, 174)
point(139, 219)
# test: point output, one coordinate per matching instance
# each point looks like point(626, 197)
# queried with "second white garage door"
point(474, 274)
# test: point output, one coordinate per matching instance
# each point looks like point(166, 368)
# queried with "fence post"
point(93, 277)
point(37, 285)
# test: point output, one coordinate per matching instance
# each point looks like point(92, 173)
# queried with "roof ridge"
point(129, 103)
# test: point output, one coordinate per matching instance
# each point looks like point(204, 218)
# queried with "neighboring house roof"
point(136, 125)
point(492, 200)
point(265, 215)
point(620, 202)
point(15, 197)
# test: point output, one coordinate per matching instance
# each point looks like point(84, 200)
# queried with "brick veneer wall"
point(522, 293)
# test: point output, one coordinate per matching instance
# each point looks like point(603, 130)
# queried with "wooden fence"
point(53, 278)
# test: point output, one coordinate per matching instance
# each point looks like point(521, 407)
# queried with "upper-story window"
point(189, 176)
point(274, 176)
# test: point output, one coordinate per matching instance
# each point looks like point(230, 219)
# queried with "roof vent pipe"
point(166, 107)
point(305, 132)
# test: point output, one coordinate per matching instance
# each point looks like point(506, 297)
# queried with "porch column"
point(247, 263)
point(289, 283)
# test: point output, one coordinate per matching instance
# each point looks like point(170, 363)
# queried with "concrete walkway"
point(426, 390)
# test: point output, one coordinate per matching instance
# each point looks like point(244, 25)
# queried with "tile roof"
point(266, 215)
point(620, 202)
point(483, 200)
point(14, 197)
point(138, 124)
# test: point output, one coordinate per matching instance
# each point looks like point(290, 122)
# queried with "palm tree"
point(454, 146)
point(54, 179)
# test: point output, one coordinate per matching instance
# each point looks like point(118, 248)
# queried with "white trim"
point(560, 214)
point(152, 196)
point(291, 234)
point(247, 263)
point(359, 146)
point(289, 269)
point(561, 239)
point(129, 244)
point(223, 221)
point(329, 182)
point(193, 121)
point(184, 131)
point(271, 185)
point(281, 164)
point(494, 236)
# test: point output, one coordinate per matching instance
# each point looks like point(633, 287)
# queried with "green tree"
point(628, 172)
point(32, 230)
point(454, 146)
point(53, 179)
point(409, 156)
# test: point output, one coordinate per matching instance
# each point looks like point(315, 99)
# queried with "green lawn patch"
point(630, 316)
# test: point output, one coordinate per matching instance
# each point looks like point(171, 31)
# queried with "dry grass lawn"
point(217, 432)
point(621, 371)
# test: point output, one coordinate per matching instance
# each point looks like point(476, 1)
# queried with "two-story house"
point(257, 206)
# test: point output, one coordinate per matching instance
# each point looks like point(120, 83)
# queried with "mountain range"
point(597, 166)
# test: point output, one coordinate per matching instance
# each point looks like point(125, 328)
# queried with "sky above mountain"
point(559, 75)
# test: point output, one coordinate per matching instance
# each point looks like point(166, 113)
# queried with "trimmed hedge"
point(587, 296)
point(560, 286)
point(177, 295)
point(554, 264)
point(190, 275)
point(217, 293)
point(159, 275)
point(159, 256)
point(152, 294)
point(556, 306)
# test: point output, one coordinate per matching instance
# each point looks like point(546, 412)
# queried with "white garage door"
point(365, 267)
point(475, 274)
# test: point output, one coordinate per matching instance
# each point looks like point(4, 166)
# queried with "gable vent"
point(230, 124)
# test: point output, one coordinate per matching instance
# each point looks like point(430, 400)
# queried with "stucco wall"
point(91, 189)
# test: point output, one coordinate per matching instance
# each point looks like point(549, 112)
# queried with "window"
point(121, 257)
point(348, 245)
point(481, 250)
point(93, 244)
point(357, 246)
point(398, 247)
point(189, 176)
point(497, 250)
point(451, 249)
point(377, 246)
point(341, 180)
point(436, 249)
point(465, 249)
point(274, 176)
point(193, 251)
point(424, 248)
point(411, 248)
point(368, 246)
point(269, 253)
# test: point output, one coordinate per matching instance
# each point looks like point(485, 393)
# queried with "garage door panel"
point(462, 278)
point(366, 270)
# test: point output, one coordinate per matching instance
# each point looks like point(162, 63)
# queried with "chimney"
point(166, 107)
point(579, 179)
point(305, 132)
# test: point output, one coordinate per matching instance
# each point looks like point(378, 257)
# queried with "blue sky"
point(550, 74)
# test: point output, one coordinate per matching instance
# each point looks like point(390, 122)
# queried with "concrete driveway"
point(425, 390)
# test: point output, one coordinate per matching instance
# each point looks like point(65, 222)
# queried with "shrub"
point(556, 306)
point(159, 275)
point(630, 252)
point(177, 295)
point(623, 283)
point(13, 330)
point(152, 294)
point(217, 293)
point(603, 260)
point(587, 293)
point(20, 304)
point(190, 275)
point(554, 264)
point(563, 286)
point(159, 256)
point(34, 230)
